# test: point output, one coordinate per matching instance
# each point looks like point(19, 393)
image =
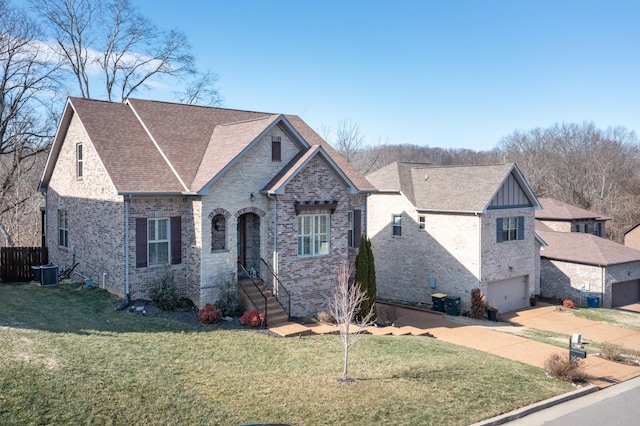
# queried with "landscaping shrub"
point(568, 303)
point(164, 293)
point(478, 303)
point(228, 303)
point(387, 314)
point(612, 352)
point(562, 368)
point(252, 318)
point(326, 317)
point(209, 314)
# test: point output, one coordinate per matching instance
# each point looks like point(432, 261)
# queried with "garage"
point(510, 294)
point(625, 293)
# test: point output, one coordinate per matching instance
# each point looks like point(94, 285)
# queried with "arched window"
point(218, 233)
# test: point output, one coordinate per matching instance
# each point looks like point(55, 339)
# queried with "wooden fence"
point(16, 262)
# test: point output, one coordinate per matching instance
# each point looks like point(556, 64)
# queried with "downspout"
point(602, 283)
point(126, 255)
point(274, 259)
point(479, 248)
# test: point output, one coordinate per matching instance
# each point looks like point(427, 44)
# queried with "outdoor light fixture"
point(252, 197)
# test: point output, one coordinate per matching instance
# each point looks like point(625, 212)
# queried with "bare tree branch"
point(344, 307)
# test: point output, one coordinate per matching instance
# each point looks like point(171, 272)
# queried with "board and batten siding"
point(510, 194)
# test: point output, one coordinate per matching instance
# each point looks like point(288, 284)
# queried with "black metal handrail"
point(276, 294)
point(258, 288)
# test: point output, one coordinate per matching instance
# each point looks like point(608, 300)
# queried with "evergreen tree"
point(366, 277)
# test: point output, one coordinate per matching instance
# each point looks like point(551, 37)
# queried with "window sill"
point(220, 251)
point(312, 256)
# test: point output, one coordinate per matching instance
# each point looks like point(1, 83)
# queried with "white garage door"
point(625, 293)
point(508, 295)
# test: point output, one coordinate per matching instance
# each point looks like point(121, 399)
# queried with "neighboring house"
point(448, 229)
point(564, 217)
point(578, 265)
point(137, 189)
point(632, 237)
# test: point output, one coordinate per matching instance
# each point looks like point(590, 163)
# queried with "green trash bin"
point(438, 301)
point(452, 305)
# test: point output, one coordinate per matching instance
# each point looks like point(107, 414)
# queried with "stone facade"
point(566, 280)
point(310, 279)
point(209, 256)
point(456, 252)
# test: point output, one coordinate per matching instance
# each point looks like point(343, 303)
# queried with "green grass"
point(630, 320)
point(66, 357)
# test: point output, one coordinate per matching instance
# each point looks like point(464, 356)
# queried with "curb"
point(538, 406)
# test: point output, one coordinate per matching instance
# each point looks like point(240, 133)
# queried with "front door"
point(242, 240)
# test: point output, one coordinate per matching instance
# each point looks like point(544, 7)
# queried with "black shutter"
point(499, 230)
point(521, 227)
point(357, 227)
point(141, 242)
point(176, 240)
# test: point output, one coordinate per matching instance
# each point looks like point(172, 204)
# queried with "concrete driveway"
point(480, 335)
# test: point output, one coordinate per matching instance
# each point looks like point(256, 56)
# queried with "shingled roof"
point(553, 209)
point(467, 188)
point(584, 248)
point(160, 147)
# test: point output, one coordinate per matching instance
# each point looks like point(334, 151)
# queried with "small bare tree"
point(344, 307)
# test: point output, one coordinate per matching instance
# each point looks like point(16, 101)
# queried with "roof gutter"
point(154, 193)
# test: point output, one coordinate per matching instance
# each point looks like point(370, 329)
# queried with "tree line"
point(87, 48)
point(578, 163)
point(109, 50)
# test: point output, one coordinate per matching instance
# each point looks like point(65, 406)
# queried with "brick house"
point(564, 217)
point(578, 263)
point(136, 189)
point(448, 229)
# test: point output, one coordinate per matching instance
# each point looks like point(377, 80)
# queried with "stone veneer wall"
point(563, 280)
point(311, 279)
point(509, 259)
point(230, 196)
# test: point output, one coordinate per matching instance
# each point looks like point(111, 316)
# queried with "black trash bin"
point(438, 302)
point(49, 275)
point(452, 305)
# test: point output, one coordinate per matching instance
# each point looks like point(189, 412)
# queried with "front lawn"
point(66, 357)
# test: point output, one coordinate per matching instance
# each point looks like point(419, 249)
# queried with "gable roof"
point(553, 209)
point(160, 147)
point(467, 188)
point(584, 248)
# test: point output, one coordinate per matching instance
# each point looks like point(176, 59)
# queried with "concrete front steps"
point(252, 299)
point(292, 329)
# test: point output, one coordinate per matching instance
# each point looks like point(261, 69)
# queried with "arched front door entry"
point(248, 237)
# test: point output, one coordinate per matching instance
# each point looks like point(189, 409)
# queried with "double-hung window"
point(63, 228)
point(313, 234)
point(397, 225)
point(510, 228)
point(158, 240)
point(79, 160)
